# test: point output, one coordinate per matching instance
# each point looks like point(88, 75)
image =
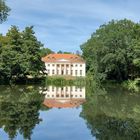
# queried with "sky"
point(67, 24)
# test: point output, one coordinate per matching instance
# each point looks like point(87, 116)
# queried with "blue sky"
point(66, 24)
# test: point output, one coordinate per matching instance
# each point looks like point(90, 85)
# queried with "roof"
point(63, 58)
point(67, 104)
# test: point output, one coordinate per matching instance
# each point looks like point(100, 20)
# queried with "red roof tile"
point(57, 57)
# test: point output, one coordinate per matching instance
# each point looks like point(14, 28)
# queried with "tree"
point(45, 51)
point(110, 49)
point(10, 54)
point(4, 11)
point(136, 58)
point(31, 60)
point(20, 54)
point(60, 52)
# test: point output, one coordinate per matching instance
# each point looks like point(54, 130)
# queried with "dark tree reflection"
point(19, 110)
point(114, 115)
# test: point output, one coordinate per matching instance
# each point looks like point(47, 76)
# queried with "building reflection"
point(64, 97)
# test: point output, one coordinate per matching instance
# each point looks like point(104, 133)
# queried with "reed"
point(62, 81)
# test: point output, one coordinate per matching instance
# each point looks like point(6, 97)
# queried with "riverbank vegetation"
point(132, 85)
point(62, 81)
point(112, 54)
point(113, 51)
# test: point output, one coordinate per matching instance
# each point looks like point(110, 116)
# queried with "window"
point(66, 72)
point(67, 65)
point(71, 72)
point(48, 65)
point(57, 71)
point(52, 71)
point(52, 88)
point(75, 72)
point(58, 65)
point(53, 65)
point(66, 88)
point(71, 65)
point(80, 72)
point(67, 95)
point(71, 89)
point(75, 88)
point(57, 89)
point(48, 71)
point(76, 65)
point(81, 65)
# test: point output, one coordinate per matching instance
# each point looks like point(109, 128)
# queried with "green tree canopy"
point(20, 54)
point(60, 52)
point(45, 51)
point(111, 51)
point(4, 11)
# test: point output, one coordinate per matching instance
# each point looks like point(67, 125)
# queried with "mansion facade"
point(64, 64)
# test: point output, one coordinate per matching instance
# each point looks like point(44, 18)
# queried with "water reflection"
point(111, 116)
point(19, 110)
point(114, 115)
point(64, 97)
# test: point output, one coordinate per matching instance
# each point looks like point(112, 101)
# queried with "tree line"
point(113, 51)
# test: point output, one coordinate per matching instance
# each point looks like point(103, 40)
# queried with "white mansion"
point(64, 64)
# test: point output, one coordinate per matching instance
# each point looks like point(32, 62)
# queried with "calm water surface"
point(68, 113)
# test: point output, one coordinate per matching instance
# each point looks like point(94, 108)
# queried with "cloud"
point(66, 24)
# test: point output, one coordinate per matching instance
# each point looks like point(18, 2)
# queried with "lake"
point(69, 113)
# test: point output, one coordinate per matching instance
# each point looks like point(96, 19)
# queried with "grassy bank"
point(62, 80)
